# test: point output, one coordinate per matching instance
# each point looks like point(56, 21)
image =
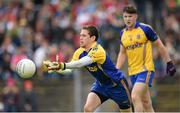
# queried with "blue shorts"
point(119, 93)
point(144, 77)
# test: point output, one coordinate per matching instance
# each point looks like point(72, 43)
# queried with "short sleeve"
point(149, 32)
point(97, 54)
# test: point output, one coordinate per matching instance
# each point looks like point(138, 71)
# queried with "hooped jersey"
point(138, 45)
point(102, 68)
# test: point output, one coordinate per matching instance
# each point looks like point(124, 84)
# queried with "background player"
point(136, 40)
point(110, 82)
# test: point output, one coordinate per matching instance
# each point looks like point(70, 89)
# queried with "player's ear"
point(93, 37)
point(136, 16)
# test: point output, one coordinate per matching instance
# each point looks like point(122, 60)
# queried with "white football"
point(26, 68)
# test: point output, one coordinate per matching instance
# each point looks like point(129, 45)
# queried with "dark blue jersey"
point(102, 68)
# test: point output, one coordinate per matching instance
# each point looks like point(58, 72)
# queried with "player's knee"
point(147, 104)
point(88, 108)
point(135, 98)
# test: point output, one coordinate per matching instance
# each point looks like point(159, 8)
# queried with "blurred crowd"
point(15, 98)
point(40, 29)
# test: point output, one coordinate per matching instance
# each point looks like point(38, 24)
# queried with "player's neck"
point(131, 27)
point(89, 46)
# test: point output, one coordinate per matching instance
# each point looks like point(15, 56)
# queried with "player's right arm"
point(76, 62)
point(61, 66)
point(79, 63)
point(96, 54)
point(67, 68)
point(121, 57)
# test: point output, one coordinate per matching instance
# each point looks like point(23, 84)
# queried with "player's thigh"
point(93, 101)
point(139, 90)
point(142, 81)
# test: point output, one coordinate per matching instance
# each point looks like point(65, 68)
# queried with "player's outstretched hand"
point(171, 69)
point(47, 64)
point(57, 66)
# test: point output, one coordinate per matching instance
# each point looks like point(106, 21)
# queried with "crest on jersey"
point(94, 49)
point(138, 36)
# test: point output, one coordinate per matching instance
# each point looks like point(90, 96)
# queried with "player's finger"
point(53, 67)
point(46, 63)
point(57, 58)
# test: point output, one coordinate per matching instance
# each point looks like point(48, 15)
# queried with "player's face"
point(129, 19)
point(85, 39)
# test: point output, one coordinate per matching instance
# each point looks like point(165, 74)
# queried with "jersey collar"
point(93, 45)
point(137, 25)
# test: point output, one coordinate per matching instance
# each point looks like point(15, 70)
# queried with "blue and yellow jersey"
point(102, 67)
point(138, 45)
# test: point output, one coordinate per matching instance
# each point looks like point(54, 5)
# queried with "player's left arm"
point(153, 37)
point(163, 50)
point(170, 69)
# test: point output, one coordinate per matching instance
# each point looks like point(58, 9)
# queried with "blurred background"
point(40, 29)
